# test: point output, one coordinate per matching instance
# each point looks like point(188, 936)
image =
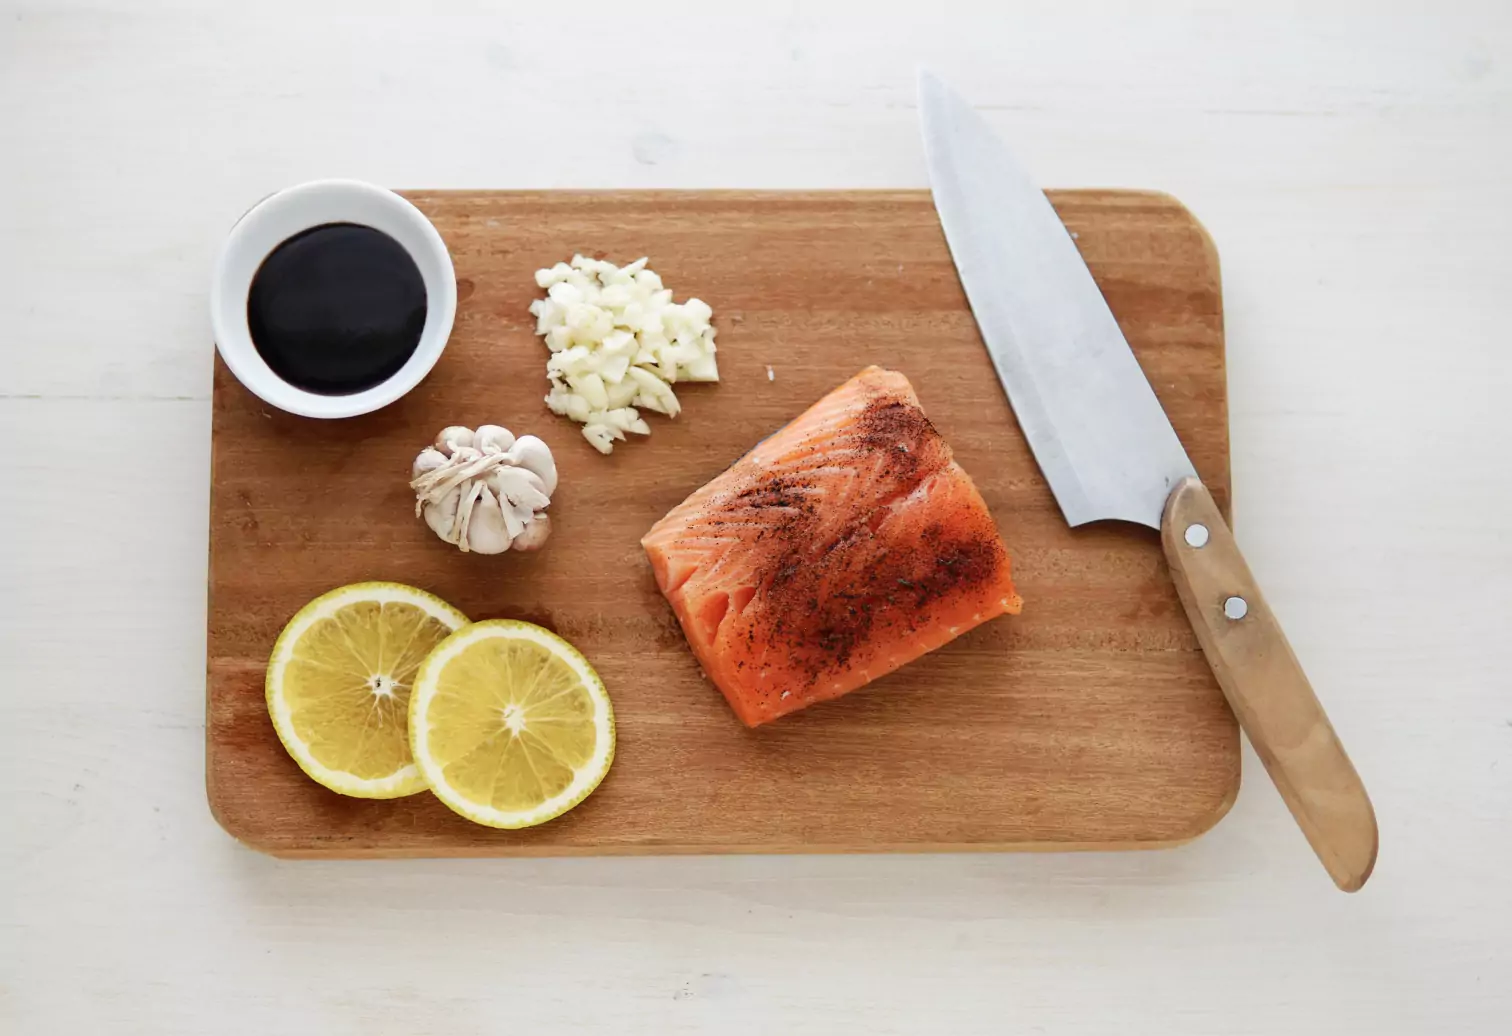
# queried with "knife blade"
point(1108, 451)
point(1092, 420)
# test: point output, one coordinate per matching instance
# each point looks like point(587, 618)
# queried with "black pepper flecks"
point(847, 573)
point(836, 579)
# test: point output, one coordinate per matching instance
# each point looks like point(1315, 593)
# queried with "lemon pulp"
point(339, 684)
point(510, 725)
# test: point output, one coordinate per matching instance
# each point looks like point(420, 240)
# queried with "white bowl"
point(279, 217)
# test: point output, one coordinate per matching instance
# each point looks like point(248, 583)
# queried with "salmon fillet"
point(844, 546)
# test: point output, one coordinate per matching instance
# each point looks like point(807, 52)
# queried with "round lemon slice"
point(339, 684)
point(510, 724)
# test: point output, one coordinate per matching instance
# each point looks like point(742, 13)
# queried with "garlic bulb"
point(485, 491)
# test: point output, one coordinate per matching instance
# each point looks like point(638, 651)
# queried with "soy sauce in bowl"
point(337, 308)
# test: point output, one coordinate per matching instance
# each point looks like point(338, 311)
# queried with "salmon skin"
point(847, 544)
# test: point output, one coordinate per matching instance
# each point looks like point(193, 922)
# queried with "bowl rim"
point(301, 207)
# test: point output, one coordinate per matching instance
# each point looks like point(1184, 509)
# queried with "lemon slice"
point(510, 724)
point(339, 684)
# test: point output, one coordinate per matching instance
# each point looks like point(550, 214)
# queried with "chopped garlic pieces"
point(618, 342)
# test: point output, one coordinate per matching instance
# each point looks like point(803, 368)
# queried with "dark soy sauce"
point(337, 309)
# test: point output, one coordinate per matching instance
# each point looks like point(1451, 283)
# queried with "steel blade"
point(1099, 434)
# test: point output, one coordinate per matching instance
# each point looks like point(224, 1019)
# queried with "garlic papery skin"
point(485, 491)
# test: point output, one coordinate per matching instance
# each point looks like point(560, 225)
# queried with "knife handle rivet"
point(1196, 535)
point(1235, 608)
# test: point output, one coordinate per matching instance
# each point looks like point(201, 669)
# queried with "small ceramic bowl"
point(279, 217)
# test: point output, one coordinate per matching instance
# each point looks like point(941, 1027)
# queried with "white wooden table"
point(1353, 162)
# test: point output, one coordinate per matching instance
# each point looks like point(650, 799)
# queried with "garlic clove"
point(452, 437)
point(521, 492)
point(429, 459)
point(535, 533)
point(441, 515)
point(490, 438)
point(533, 455)
point(487, 528)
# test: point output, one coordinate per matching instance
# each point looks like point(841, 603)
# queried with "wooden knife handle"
point(1266, 687)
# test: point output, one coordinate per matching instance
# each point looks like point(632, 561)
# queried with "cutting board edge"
point(336, 850)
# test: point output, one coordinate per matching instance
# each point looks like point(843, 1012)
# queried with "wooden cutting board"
point(1091, 721)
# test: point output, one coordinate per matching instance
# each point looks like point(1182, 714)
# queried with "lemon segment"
point(509, 724)
point(339, 683)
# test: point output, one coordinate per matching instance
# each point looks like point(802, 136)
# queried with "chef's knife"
point(1108, 451)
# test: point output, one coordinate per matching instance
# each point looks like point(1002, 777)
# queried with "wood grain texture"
point(1266, 687)
point(1092, 720)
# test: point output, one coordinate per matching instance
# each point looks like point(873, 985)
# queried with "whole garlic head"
point(485, 491)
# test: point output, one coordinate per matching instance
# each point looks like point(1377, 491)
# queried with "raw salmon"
point(844, 546)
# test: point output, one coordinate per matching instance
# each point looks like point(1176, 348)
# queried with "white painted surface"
point(1354, 163)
